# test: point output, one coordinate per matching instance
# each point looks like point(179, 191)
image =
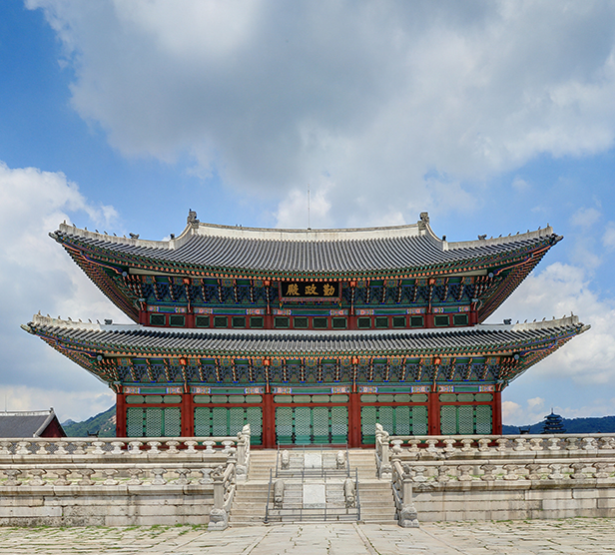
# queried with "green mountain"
point(103, 424)
point(589, 425)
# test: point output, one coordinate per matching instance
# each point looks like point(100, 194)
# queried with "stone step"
point(249, 505)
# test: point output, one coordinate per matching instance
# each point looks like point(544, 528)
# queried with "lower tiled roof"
point(134, 339)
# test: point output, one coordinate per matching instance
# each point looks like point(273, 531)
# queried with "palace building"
point(310, 336)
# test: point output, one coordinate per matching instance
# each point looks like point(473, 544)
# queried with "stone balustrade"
point(17, 450)
point(102, 476)
point(588, 472)
point(499, 477)
point(121, 481)
point(492, 447)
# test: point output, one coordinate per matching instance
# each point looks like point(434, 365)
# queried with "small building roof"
point(31, 423)
point(316, 252)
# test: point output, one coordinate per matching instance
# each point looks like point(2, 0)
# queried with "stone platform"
point(592, 536)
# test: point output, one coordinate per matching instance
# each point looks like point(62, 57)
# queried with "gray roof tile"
point(308, 251)
point(200, 342)
point(24, 423)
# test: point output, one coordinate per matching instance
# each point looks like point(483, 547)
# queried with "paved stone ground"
point(592, 536)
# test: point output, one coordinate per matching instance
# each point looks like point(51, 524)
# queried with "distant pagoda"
point(311, 336)
point(554, 424)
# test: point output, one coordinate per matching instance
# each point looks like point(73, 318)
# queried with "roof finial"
point(192, 219)
point(424, 221)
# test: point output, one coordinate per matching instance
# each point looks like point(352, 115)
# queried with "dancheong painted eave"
point(207, 249)
point(528, 342)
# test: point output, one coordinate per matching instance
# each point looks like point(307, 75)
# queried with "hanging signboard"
point(309, 291)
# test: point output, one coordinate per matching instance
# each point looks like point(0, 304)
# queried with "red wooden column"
point(497, 413)
point(120, 415)
point(187, 415)
point(268, 421)
point(190, 320)
point(354, 420)
point(433, 412)
point(143, 320)
point(473, 317)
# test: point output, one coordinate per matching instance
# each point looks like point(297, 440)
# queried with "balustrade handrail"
point(396, 478)
point(91, 475)
point(15, 449)
point(535, 446)
point(586, 472)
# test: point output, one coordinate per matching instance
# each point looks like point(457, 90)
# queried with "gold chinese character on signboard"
point(311, 289)
point(293, 289)
point(329, 290)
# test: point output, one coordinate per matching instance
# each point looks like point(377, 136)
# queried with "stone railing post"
point(218, 517)
point(382, 453)
point(407, 517)
point(243, 454)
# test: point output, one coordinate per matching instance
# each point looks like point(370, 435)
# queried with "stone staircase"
point(250, 500)
point(376, 496)
point(251, 497)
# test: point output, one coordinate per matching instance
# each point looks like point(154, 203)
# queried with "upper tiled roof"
point(139, 339)
point(307, 251)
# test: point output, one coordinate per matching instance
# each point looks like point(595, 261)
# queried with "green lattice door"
point(225, 421)
point(402, 421)
point(153, 422)
point(311, 425)
point(465, 419)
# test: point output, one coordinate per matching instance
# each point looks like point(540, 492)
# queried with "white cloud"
point(535, 403)
point(585, 217)
point(67, 404)
point(275, 95)
point(296, 211)
point(516, 414)
point(37, 274)
point(520, 184)
point(554, 292)
point(608, 239)
point(510, 411)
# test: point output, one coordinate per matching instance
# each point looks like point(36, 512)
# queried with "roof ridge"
point(199, 229)
point(27, 412)
point(483, 242)
point(40, 320)
point(565, 321)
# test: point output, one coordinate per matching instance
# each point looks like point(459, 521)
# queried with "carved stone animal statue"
point(278, 493)
point(349, 492)
point(285, 460)
point(340, 460)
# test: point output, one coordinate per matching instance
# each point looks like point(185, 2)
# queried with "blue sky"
point(495, 117)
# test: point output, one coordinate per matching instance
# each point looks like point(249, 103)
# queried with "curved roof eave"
point(311, 253)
